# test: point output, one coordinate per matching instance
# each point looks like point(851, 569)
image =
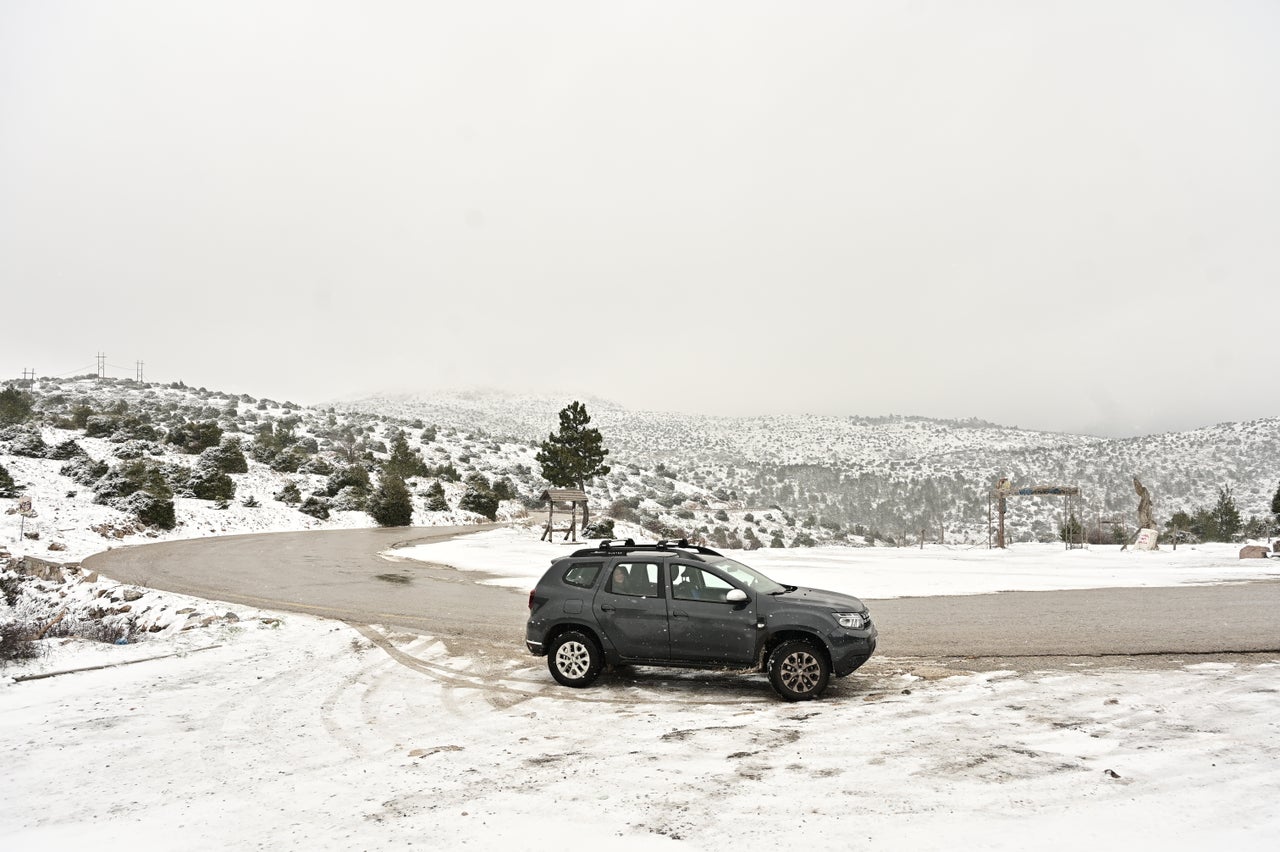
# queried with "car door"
point(704, 627)
point(631, 608)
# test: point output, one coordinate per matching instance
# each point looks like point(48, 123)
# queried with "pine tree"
point(436, 501)
point(1225, 515)
point(1275, 504)
point(1072, 530)
point(574, 454)
point(479, 499)
point(503, 488)
point(390, 504)
point(403, 461)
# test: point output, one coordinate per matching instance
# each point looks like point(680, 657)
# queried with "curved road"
point(340, 574)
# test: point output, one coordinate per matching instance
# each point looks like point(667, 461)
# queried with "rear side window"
point(637, 579)
point(583, 574)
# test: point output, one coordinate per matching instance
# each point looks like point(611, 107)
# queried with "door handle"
point(606, 607)
point(675, 613)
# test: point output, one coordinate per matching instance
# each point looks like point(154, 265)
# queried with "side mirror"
point(735, 596)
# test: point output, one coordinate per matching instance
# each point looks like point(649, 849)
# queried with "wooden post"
point(549, 533)
point(1000, 509)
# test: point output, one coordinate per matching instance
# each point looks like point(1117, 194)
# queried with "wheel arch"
point(574, 626)
point(776, 639)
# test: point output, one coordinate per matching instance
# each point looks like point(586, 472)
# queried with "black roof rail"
point(629, 544)
point(683, 543)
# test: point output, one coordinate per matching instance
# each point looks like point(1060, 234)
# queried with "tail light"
point(531, 599)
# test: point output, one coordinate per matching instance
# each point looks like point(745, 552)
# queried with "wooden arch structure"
point(571, 496)
point(1004, 489)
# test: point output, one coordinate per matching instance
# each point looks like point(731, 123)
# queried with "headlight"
point(850, 620)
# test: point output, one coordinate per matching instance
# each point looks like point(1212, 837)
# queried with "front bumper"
point(851, 648)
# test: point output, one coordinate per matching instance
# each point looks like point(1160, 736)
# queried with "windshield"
point(750, 576)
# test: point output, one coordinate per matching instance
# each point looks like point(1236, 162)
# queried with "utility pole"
point(102, 366)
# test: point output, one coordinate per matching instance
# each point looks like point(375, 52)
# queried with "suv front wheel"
point(798, 670)
point(575, 659)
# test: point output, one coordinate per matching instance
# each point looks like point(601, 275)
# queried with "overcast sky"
point(1056, 215)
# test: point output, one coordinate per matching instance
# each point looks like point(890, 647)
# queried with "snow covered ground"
point(261, 730)
point(519, 559)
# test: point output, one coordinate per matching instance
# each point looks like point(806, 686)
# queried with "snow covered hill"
point(895, 475)
point(779, 481)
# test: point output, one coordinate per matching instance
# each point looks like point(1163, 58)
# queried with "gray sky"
point(1055, 215)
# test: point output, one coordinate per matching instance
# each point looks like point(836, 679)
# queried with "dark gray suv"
point(676, 604)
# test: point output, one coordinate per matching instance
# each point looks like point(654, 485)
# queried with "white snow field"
point(289, 732)
point(519, 559)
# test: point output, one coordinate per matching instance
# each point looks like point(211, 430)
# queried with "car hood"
point(821, 597)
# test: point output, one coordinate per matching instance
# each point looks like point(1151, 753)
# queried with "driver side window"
point(694, 584)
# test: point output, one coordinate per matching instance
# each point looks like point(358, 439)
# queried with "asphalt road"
point(340, 574)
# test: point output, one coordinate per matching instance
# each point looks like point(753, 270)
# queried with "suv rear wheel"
point(798, 670)
point(575, 659)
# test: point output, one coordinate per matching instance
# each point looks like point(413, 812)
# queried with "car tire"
point(798, 670)
point(575, 659)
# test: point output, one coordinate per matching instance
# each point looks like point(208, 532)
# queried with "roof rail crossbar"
point(628, 545)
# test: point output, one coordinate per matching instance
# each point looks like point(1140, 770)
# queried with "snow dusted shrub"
point(351, 499)
point(99, 426)
point(68, 449)
point(111, 629)
point(350, 476)
point(17, 640)
point(289, 494)
point(15, 405)
point(138, 487)
point(11, 584)
point(130, 450)
point(316, 507)
point(227, 457)
point(7, 486)
point(207, 482)
point(195, 437)
point(317, 465)
point(482, 501)
point(27, 442)
point(503, 489)
point(599, 528)
point(84, 470)
point(625, 510)
point(149, 508)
